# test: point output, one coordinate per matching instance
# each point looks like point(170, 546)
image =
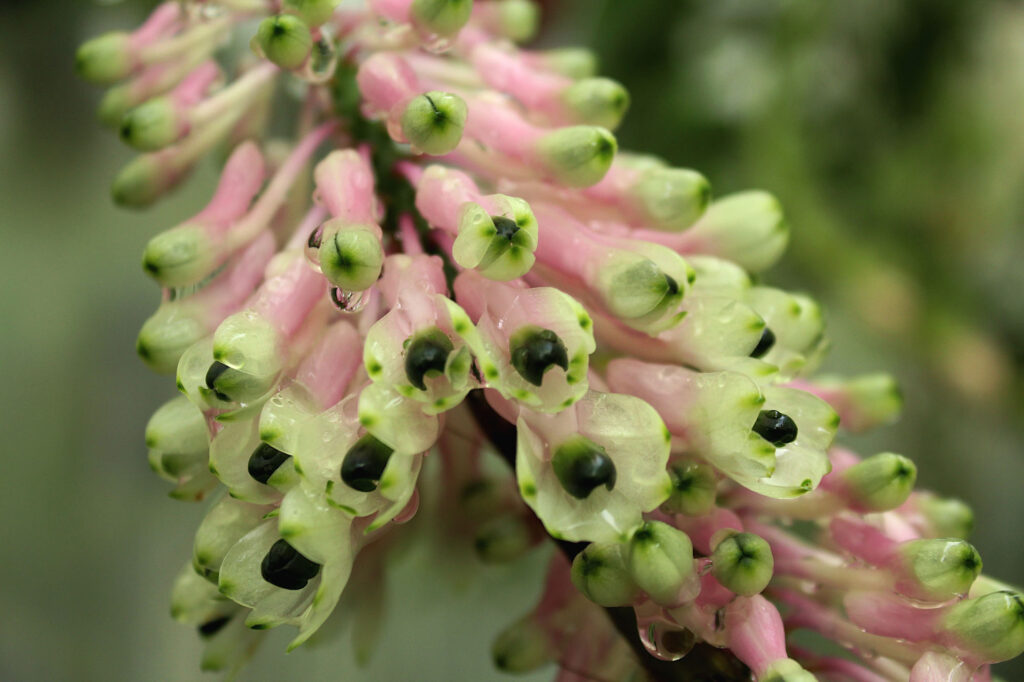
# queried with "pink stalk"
point(410, 239)
point(300, 237)
point(240, 181)
point(702, 529)
point(329, 367)
point(387, 83)
point(756, 634)
point(506, 71)
point(344, 184)
point(891, 616)
point(496, 124)
point(162, 22)
point(286, 299)
point(229, 290)
point(195, 85)
point(862, 539)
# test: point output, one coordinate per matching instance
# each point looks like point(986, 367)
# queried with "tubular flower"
point(452, 258)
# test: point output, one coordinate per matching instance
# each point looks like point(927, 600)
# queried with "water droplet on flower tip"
point(665, 640)
point(348, 302)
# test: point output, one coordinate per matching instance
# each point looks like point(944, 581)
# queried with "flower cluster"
point(450, 259)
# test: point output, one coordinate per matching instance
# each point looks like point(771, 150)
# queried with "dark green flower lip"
point(764, 344)
point(581, 466)
point(506, 227)
point(364, 464)
point(217, 369)
point(427, 354)
point(264, 461)
point(213, 626)
point(775, 427)
point(534, 351)
point(285, 567)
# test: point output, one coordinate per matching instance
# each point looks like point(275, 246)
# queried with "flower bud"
point(152, 125)
point(694, 487)
point(661, 561)
point(180, 256)
point(311, 12)
point(522, 647)
point(989, 628)
point(936, 569)
point(881, 482)
point(144, 180)
point(577, 156)
point(177, 438)
point(433, 122)
point(571, 62)
point(351, 258)
point(503, 539)
point(516, 20)
point(600, 573)
point(597, 101)
point(747, 228)
point(285, 40)
point(786, 670)
point(227, 521)
point(743, 563)
point(500, 247)
point(441, 17)
point(864, 402)
point(105, 59)
point(671, 199)
point(244, 344)
point(635, 288)
point(946, 517)
point(166, 336)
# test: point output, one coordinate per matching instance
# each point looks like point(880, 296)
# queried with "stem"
point(704, 662)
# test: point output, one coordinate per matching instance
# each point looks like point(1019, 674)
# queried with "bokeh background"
point(891, 132)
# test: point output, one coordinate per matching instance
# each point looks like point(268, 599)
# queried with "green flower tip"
point(661, 561)
point(433, 122)
point(571, 62)
point(427, 356)
point(990, 628)
point(743, 563)
point(285, 40)
point(502, 540)
point(577, 156)
point(522, 647)
point(581, 466)
point(115, 104)
point(635, 287)
point(179, 257)
point(694, 488)
point(177, 426)
point(236, 386)
point(600, 573)
point(534, 351)
point(166, 335)
point(152, 125)
point(311, 12)
point(786, 670)
point(748, 228)
point(499, 247)
point(441, 17)
point(352, 258)
point(597, 101)
point(938, 569)
point(880, 482)
point(672, 199)
point(105, 59)
point(517, 19)
point(948, 517)
point(141, 182)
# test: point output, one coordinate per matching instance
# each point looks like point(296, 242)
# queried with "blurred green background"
point(891, 132)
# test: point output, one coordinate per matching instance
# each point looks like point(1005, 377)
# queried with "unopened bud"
point(180, 256)
point(661, 561)
point(597, 101)
point(523, 647)
point(144, 180)
point(571, 62)
point(600, 573)
point(177, 438)
point(105, 59)
point(516, 20)
point(989, 628)
point(285, 40)
point(503, 539)
point(224, 525)
point(633, 287)
point(312, 12)
point(936, 569)
point(743, 563)
point(672, 199)
point(881, 482)
point(747, 228)
point(351, 258)
point(694, 488)
point(441, 17)
point(865, 402)
point(166, 335)
point(577, 156)
point(947, 517)
point(152, 125)
point(433, 122)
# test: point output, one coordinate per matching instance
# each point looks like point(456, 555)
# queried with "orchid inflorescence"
point(472, 267)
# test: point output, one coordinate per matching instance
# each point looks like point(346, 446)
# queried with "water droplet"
point(662, 637)
point(348, 301)
point(312, 250)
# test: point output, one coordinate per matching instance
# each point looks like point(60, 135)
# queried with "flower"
point(476, 267)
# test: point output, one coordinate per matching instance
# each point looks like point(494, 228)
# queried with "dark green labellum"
point(764, 345)
point(535, 351)
point(364, 463)
point(672, 286)
point(775, 427)
point(264, 461)
point(284, 567)
point(214, 373)
point(582, 465)
point(426, 353)
point(212, 627)
point(506, 227)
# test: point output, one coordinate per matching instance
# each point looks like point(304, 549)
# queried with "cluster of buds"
point(451, 260)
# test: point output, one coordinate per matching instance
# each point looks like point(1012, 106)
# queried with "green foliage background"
point(891, 132)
